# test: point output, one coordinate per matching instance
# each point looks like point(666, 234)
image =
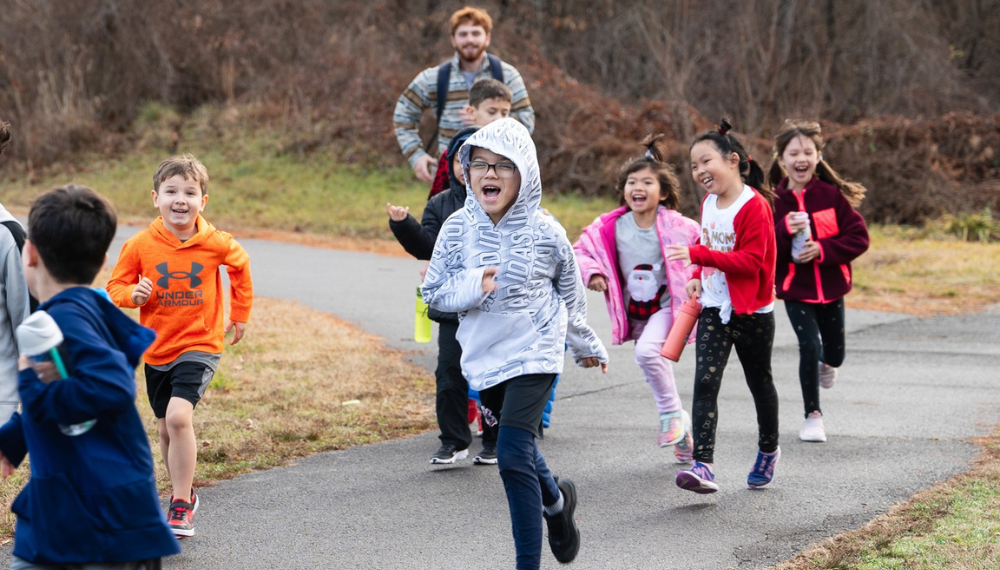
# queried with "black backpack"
point(444, 78)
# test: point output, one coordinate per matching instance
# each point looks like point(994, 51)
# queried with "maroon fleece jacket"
point(840, 232)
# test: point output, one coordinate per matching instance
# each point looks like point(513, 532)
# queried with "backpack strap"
point(444, 79)
point(495, 68)
point(19, 234)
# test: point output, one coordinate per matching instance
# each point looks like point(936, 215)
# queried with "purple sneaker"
point(699, 478)
point(763, 469)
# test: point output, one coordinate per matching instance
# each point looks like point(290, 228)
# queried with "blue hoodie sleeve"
point(100, 382)
point(12, 442)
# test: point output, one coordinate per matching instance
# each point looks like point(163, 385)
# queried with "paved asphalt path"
point(911, 395)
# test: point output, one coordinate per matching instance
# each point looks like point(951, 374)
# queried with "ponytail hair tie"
point(724, 126)
point(649, 155)
point(749, 158)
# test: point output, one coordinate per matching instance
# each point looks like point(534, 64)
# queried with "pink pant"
point(659, 374)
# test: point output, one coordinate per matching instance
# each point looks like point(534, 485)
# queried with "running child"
point(15, 300)
point(510, 274)
point(736, 286)
point(452, 393)
point(814, 283)
point(623, 254)
point(91, 501)
point(489, 100)
point(171, 272)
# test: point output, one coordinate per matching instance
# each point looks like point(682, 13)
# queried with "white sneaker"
point(812, 428)
point(827, 375)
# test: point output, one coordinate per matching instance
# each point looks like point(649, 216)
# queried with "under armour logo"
point(164, 282)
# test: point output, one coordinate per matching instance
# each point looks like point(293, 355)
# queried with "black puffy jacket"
point(418, 238)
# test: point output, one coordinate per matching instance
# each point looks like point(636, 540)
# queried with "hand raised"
point(397, 213)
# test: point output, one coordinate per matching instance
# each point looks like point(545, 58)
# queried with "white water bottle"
point(39, 337)
point(801, 237)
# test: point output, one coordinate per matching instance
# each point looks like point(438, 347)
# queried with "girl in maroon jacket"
point(736, 285)
point(813, 277)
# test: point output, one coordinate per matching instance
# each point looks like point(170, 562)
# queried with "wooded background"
point(908, 92)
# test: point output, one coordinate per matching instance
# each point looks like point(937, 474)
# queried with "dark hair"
point(750, 171)
point(665, 175)
point(853, 191)
point(489, 88)
point(4, 135)
point(72, 227)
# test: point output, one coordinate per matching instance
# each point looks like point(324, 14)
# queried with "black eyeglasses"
point(502, 169)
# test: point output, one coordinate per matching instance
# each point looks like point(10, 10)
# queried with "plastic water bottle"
point(801, 237)
point(39, 337)
point(681, 330)
point(421, 322)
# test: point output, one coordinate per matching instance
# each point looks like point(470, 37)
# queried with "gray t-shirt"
point(639, 247)
point(207, 358)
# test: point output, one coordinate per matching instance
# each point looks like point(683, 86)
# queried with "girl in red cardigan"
point(736, 286)
point(813, 283)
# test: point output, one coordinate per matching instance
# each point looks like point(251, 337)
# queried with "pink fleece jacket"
point(596, 254)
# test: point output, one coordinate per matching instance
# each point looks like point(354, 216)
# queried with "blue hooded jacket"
point(91, 498)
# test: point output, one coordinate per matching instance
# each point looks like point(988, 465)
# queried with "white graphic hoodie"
point(522, 327)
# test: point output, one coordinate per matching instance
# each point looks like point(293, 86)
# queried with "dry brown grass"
point(925, 276)
point(299, 383)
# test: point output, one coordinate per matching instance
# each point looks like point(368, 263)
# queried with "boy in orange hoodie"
point(171, 272)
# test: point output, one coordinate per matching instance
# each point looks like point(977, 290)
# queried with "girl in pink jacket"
point(622, 254)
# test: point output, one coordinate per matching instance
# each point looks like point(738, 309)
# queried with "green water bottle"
point(421, 323)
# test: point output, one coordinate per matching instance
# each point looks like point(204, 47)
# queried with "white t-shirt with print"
point(718, 233)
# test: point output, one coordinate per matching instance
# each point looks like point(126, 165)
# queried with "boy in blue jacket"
point(92, 496)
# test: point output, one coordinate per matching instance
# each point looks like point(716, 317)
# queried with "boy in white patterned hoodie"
point(508, 270)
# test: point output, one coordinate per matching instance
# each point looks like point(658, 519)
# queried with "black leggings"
point(820, 328)
point(753, 336)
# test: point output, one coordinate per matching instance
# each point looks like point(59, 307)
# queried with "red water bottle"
point(681, 330)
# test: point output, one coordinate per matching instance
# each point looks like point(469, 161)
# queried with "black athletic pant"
point(753, 336)
point(820, 328)
point(453, 393)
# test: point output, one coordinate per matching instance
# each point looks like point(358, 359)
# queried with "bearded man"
point(470, 36)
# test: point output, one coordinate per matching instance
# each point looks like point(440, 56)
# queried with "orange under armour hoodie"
point(185, 308)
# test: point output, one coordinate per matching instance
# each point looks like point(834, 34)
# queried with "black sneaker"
point(448, 454)
point(488, 456)
point(564, 537)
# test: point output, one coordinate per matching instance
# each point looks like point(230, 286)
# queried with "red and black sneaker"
point(180, 518)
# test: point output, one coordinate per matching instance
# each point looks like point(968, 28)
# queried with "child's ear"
point(469, 110)
point(156, 198)
point(30, 254)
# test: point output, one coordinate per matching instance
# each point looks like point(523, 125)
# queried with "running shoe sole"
point(690, 482)
point(448, 461)
point(479, 460)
